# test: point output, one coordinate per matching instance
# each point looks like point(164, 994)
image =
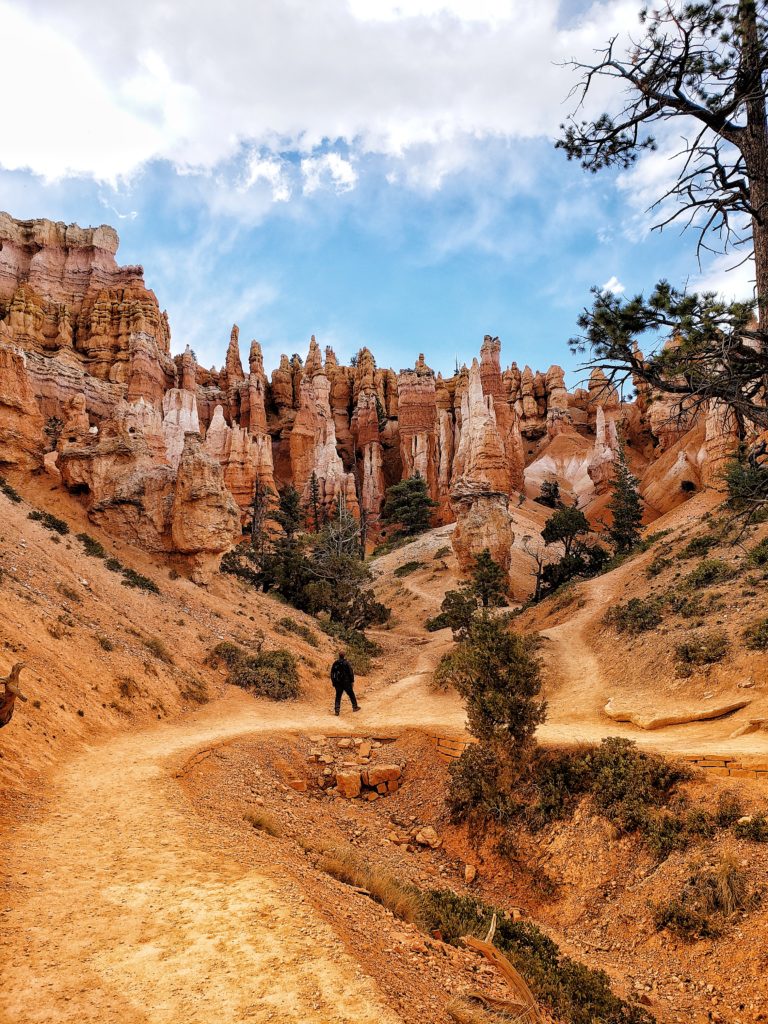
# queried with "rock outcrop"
point(167, 454)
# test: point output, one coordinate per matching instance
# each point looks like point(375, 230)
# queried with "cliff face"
point(166, 453)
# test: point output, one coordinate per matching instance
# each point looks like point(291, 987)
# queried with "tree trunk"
point(755, 149)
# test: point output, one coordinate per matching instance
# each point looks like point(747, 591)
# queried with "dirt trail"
point(120, 908)
point(125, 913)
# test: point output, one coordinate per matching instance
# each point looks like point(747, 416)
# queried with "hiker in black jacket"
point(343, 679)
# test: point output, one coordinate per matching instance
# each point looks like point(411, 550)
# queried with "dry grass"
point(263, 821)
point(344, 864)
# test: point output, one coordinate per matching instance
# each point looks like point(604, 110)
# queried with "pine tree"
point(564, 527)
point(625, 505)
point(489, 581)
point(408, 506)
point(315, 509)
point(260, 507)
point(289, 514)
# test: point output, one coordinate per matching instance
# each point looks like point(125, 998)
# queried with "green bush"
point(636, 616)
point(407, 568)
point(270, 674)
point(704, 649)
point(570, 991)
point(92, 547)
point(754, 827)
point(10, 492)
point(114, 565)
point(50, 522)
point(707, 572)
point(675, 916)
point(134, 579)
point(227, 652)
point(289, 625)
point(442, 552)
point(756, 635)
point(698, 547)
point(359, 648)
point(758, 555)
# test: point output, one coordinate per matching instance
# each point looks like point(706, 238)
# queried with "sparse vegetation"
point(657, 566)
point(407, 568)
point(114, 565)
point(289, 625)
point(49, 521)
point(442, 552)
point(707, 572)
point(703, 649)
point(92, 547)
point(10, 492)
point(105, 643)
point(758, 555)
point(157, 649)
point(636, 616)
point(346, 865)
point(698, 547)
point(360, 649)
point(756, 635)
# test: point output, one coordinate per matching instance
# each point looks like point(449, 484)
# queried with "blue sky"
point(372, 172)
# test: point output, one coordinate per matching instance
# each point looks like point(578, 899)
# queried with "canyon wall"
point(167, 454)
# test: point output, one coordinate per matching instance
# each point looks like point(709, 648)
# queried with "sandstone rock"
point(375, 775)
point(427, 836)
point(470, 873)
point(21, 425)
point(348, 783)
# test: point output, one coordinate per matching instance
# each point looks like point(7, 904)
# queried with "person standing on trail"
point(343, 679)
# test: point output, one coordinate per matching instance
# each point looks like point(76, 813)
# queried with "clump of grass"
point(442, 552)
point(756, 635)
point(49, 521)
point(636, 616)
point(707, 572)
point(92, 547)
point(407, 568)
point(345, 865)
point(729, 808)
point(657, 566)
point(263, 821)
point(753, 827)
point(194, 689)
point(69, 593)
point(105, 643)
point(289, 625)
point(711, 895)
point(157, 649)
point(704, 649)
point(10, 492)
point(114, 565)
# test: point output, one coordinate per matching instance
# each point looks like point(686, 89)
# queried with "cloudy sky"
point(375, 172)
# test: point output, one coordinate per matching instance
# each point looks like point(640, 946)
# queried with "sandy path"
point(128, 914)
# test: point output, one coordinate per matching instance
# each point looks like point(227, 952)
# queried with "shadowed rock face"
point(84, 340)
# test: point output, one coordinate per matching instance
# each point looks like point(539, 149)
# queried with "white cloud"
point(613, 285)
point(328, 171)
point(270, 170)
point(188, 84)
point(730, 276)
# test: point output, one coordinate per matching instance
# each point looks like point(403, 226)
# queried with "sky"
point(374, 172)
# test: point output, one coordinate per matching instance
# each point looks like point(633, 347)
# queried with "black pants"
point(348, 689)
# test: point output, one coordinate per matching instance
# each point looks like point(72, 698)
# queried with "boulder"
point(348, 783)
